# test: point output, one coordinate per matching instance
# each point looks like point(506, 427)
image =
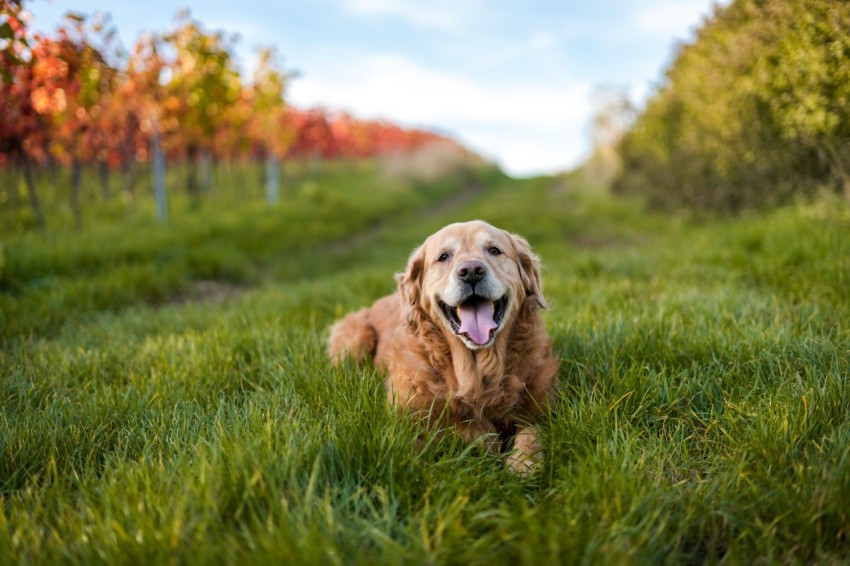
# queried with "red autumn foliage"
point(67, 97)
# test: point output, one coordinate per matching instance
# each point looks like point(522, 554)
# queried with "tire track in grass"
point(443, 206)
point(213, 291)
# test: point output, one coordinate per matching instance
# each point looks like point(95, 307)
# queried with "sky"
point(512, 80)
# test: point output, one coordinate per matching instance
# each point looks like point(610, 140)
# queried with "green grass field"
point(165, 396)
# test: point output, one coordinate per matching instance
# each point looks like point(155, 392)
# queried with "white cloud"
point(542, 41)
point(674, 18)
point(524, 151)
point(528, 128)
point(436, 14)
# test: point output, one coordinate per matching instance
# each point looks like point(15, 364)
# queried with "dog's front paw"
point(526, 454)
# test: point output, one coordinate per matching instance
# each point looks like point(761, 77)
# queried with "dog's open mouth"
point(477, 319)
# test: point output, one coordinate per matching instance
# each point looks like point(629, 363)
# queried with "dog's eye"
point(494, 251)
point(442, 258)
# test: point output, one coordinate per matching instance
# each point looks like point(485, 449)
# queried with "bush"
point(753, 113)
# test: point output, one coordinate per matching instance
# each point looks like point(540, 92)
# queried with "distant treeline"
point(76, 98)
point(754, 112)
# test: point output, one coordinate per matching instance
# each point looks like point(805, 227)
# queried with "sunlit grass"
point(703, 413)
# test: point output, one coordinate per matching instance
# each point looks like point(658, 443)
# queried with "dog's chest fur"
point(485, 384)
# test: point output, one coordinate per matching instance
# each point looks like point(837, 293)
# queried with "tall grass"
point(122, 259)
point(703, 411)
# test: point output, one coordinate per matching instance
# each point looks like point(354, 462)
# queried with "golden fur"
point(489, 391)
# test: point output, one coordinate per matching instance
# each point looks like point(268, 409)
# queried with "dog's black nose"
point(471, 272)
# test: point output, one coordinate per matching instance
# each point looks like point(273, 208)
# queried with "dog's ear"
point(410, 281)
point(529, 269)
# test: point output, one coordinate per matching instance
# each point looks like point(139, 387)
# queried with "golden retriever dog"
point(462, 339)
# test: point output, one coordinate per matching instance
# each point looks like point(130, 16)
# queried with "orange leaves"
point(41, 100)
point(171, 103)
point(201, 85)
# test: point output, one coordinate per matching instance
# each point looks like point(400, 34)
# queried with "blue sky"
point(512, 80)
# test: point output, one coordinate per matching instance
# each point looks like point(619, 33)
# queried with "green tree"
point(202, 86)
point(752, 113)
point(804, 79)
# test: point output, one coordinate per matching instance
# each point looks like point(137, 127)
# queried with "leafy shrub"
point(753, 113)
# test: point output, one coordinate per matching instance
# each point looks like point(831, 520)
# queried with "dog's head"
point(471, 278)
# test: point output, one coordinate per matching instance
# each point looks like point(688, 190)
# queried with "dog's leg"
point(481, 433)
point(353, 336)
point(527, 452)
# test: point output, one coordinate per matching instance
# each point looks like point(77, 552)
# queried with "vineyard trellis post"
point(272, 179)
point(159, 177)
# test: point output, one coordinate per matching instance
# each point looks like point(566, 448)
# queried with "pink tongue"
point(477, 321)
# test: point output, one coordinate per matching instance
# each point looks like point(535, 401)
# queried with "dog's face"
point(471, 278)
